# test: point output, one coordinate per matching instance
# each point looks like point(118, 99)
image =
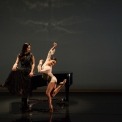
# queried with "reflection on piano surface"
point(38, 81)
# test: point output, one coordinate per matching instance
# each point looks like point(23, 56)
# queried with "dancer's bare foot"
point(63, 82)
point(51, 109)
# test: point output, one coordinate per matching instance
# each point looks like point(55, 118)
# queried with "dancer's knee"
point(47, 94)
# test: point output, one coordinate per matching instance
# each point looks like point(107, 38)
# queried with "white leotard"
point(48, 70)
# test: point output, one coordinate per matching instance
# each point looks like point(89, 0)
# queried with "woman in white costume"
point(46, 70)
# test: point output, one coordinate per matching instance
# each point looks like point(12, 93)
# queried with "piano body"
point(38, 81)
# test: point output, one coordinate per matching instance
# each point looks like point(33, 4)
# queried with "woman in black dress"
point(19, 79)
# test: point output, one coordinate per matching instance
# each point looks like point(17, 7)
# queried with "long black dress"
point(19, 82)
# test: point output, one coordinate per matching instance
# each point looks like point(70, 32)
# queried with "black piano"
point(38, 81)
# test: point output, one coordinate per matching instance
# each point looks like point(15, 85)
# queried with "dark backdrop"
point(88, 33)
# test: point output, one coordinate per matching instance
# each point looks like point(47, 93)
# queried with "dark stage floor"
point(82, 107)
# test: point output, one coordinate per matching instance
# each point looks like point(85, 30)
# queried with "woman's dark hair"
point(24, 49)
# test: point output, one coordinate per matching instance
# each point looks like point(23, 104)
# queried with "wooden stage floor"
point(82, 106)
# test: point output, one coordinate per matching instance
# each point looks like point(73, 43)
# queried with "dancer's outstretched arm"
point(49, 55)
point(51, 51)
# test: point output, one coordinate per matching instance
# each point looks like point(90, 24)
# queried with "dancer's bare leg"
point(61, 84)
point(50, 87)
